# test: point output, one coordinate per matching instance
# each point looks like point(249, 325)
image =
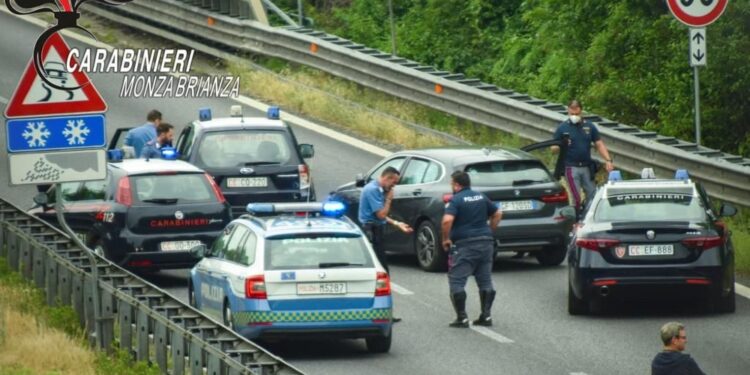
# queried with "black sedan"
point(651, 238)
point(530, 198)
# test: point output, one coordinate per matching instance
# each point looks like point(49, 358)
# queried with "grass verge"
point(38, 339)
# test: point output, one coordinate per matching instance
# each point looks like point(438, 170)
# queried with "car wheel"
point(576, 306)
point(98, 247)
point(430, 256)
point(379, 344)
point(551, 255)
point(227, 315)
point(724, 304)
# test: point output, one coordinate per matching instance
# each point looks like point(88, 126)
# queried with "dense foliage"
point(626, 59)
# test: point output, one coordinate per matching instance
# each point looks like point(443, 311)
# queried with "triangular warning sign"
point(34, 98)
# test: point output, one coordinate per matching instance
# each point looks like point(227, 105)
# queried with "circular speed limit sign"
point(697, 13)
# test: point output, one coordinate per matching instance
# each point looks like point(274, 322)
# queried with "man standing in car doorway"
point(469, 238)
point(578, 163)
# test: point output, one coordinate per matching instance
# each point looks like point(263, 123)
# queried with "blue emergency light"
point(204, 114)
point(273, 113)
point(615, 176)
point(114, 155)
point(681, 174)
point(328, 209)
point(168, 153)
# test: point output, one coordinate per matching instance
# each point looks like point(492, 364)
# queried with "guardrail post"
point(245, 12)
point(215, 5)
point(108, 321)
point(64, 285)
point(160, 345)
point(77, 296)
point(196, 358)
point(24, 249)
point(234, 8)
point(38, 255)
point(51, 278)
point(13, 250)
point(88, 307)
point(224, 6)
point(142, 328)
point(206, 3)
point(125, 313)
point(214, 364)
point(178, 352)
point(3, 248)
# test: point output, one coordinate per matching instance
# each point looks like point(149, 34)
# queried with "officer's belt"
point(473, 239)
point(577, 163)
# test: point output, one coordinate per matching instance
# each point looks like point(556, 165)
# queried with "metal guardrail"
point(151, 324)
point(724, 176)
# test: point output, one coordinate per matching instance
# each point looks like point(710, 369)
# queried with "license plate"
point(178, 245)
point(516, 205)
point(236, 182)
point(321, 288)
point(650, 250)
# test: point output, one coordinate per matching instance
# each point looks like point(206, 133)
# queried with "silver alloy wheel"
point(99, 250)
point(425, 245)
point(227, 315)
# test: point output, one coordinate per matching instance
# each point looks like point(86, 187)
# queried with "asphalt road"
point(533, 334)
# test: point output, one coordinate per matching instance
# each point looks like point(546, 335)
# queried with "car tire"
point(227, 315)
point(191, 295)
point(724, 304)
point(98, 247)
point(551, 256)
point(427, 247)
point(379, 344)
point(576, 306)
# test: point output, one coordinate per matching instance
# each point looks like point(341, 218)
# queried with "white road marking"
point(491, 334)
point(3, 100)
point(401, 290)
point(742, 290)
point(578, 373)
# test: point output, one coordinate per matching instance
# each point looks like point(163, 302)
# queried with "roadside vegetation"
point(38, 339)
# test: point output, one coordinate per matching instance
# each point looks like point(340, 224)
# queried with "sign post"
point(697, 14)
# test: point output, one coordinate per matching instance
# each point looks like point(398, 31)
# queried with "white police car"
point(304, 270)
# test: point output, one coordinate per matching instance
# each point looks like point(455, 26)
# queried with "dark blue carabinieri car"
point(651, 237)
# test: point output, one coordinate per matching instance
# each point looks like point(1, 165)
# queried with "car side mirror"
point(359, 180)
point(41, 200)
point(727, 210)
point(568, 212)
point(306, 150)
point(200, 251)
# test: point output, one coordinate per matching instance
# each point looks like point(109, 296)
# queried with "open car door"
point(560, 163)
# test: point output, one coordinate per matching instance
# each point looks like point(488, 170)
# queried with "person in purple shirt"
point(138, 137)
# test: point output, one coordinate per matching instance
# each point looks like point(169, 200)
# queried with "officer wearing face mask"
point(581, 135)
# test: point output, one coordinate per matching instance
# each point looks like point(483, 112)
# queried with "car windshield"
point(653, 206)
point(317, 251)
point(236, 148)
point(171, 188)
point(503, 173)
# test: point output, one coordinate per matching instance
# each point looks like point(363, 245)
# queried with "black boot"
point(459, 304)
point(486, 297)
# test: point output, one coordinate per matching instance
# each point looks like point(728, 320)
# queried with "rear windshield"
point(317, 251)
point(508, 173)
point(650, 207)
point(172, 188)
point(238, 148)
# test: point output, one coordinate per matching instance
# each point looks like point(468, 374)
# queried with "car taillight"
point(703, 243)
point(255, 287)
point(562, 196)
point(304, 176)
point(447, 198)
point(215, 187)
point(124, 194)
point(596, 244)
point(383, 285)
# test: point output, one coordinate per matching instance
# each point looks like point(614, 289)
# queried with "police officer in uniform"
point(468, 237)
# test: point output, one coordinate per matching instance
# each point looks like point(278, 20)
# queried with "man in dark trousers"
point(374, 207)
point(468, 237)
point(581, 135)
point(671, 360)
